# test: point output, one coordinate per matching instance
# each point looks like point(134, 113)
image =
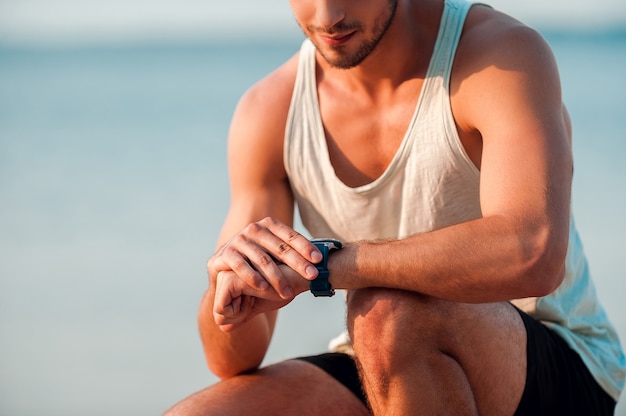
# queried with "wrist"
point(321, 286)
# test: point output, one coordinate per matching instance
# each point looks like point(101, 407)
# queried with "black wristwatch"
point(320, 286)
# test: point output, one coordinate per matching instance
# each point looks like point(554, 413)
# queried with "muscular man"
point(430, 138)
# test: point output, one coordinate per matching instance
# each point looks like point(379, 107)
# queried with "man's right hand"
point(255, 253)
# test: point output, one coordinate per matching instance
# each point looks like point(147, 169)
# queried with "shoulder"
point(267, 102)
point(257, 128)
point(501, 60)
point(493, 40)
point(489, 33)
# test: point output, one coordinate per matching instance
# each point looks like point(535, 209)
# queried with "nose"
point(329, 13)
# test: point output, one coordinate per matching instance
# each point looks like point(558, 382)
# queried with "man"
point(430, 138)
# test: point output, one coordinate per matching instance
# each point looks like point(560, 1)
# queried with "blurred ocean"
point(113, 188)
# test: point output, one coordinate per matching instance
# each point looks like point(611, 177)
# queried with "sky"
point(110, 20)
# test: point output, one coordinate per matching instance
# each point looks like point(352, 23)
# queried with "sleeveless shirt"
point(429, 184)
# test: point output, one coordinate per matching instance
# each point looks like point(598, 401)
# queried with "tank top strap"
point(451, 27)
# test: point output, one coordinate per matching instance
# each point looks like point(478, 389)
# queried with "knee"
point(395, 312)
point(387, 324)
point(176, 410)
point(373, 310)
point(201, 403)
point(186, 407)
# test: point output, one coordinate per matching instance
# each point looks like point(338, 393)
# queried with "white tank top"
point(431, 183)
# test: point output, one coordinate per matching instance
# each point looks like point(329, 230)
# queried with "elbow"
point(543, 266)
point(220, 371)
point(226, 370)
point(548, 279)
point(223, 358)
point(226, 362)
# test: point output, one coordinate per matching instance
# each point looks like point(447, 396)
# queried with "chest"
point(364, 135)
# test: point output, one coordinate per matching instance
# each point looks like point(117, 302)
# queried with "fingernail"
point(263, 285)
point(287, 292)
point(311, 271)
point(316, 256)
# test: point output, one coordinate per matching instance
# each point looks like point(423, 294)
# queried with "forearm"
point(231, 350)
point(486, 260)
point(242, 349)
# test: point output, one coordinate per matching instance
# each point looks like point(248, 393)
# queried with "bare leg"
point(420, 355)
point(288, 388)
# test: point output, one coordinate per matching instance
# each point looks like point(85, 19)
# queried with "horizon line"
point(258, 35)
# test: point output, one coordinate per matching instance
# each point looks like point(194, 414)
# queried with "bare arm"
point(508, 93)
point(257, 225)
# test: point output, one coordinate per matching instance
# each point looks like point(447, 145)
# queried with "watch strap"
point(320, 286)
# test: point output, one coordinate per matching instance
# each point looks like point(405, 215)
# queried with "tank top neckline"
point(441, 46)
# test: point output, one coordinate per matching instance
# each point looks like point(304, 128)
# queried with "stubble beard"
point(343, 60)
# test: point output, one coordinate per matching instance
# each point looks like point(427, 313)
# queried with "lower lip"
point(337, 41)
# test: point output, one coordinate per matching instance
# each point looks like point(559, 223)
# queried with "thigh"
point(292, 387)
point(481, 345)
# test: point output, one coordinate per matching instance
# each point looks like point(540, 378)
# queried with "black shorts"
point(557, 380)
point(342, 368)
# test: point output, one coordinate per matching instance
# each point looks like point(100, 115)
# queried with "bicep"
point(258, 181)
point(526, 159)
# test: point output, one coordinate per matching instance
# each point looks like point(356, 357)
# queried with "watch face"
point(331, 243)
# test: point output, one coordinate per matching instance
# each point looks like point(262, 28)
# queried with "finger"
point(267, 267)
point(247, 304)
point(291, 247)
point(228, 328)
point(235, 257)
point(277, 241)
point(253, 255)
point(227, 318)
point(226, 294)
point(234, 301)
point(247, 255)
point(235, 306)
